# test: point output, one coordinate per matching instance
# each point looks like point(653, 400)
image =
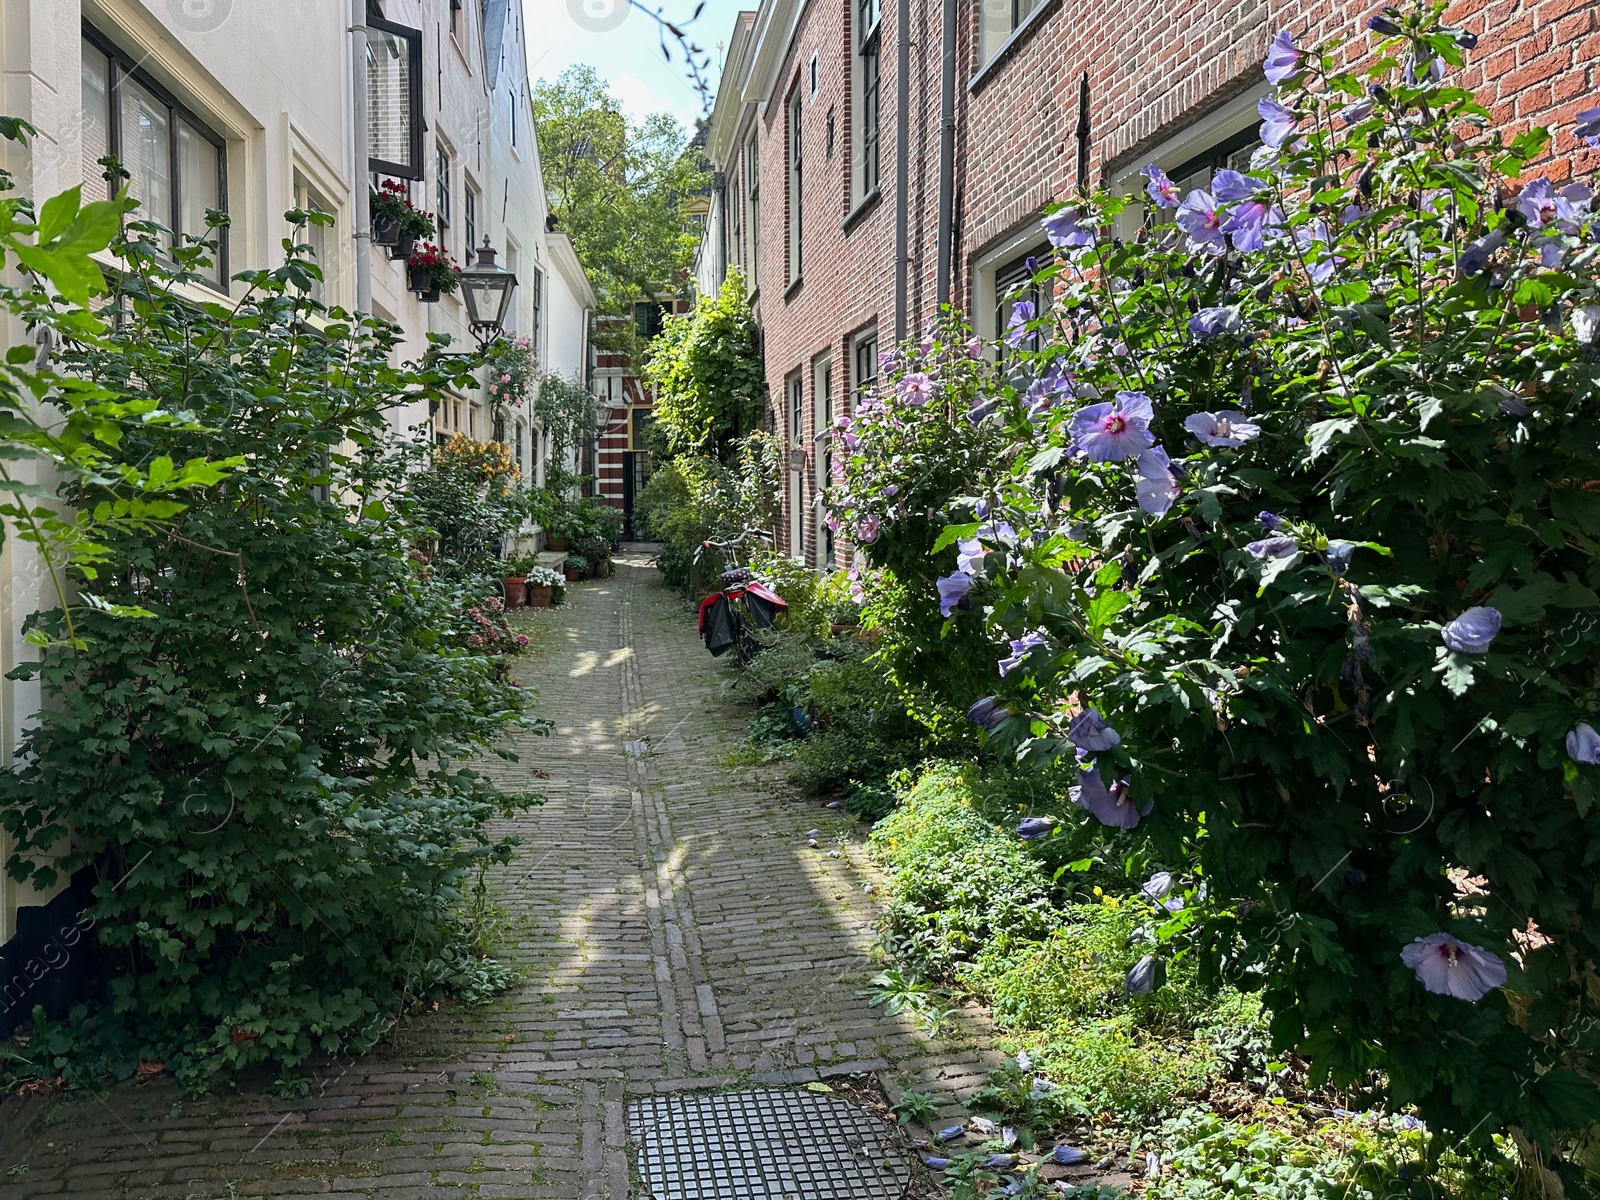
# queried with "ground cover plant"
point(265, 776)
point(1282, 546)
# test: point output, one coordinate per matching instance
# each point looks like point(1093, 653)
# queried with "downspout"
point(944, 244)
point(361, 212)
point(902, 167)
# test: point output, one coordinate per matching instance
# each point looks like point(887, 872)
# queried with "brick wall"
point(1153, 69)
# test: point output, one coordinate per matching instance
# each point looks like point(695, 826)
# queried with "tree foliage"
point(618, 187)
point(707, 372)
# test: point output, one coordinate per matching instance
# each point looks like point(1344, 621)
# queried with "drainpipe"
point(361, 213)
point(902, 167)
point(947, 158)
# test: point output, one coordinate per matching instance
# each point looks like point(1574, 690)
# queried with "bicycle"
point(743, 604)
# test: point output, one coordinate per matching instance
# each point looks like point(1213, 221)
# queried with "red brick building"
point(830, 204)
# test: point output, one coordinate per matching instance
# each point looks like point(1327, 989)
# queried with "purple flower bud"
point(1066, 1156)
point(1089, 731)
point(1383, 25)
point(1031, 829)
point(1272, 522)
point(1476, 256)
point(1157, 886)
point(1588, 127)
point(950, 1133)
point(1000, 1162)
point(1447, 966)
point(988, 713)
point(934, 1163)
point(1473, 631)
point(1338, 555)
point(1273, 547)
point(1141, 977)
point(1583, 744)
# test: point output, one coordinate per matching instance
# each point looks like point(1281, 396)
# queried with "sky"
point(621, 44)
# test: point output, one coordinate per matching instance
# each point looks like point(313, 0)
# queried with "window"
point(455, 18)
point(813, 74)
point(469, 222)
point(822, 419)
point(536, 329)
point(736, 227)
point(441, 199)
point(868, 43)
point(512, 108)
point(797, 458)
point(177, 165)
point(1014, 284)
point(752, 223)
point(865, 351)
point(796, 179)
point(998, 20)
point(323, 240)
point(394, 98)
point(650, 317)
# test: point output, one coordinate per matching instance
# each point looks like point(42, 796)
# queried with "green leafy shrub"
point(269, 776)
point(706, 371)
point(467, 498)
point(1263, 466)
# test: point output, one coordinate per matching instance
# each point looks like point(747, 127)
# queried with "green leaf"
point(57, 213)
point(1323, 434)
point(952, 534)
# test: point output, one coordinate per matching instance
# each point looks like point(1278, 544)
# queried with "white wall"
point(272, 77)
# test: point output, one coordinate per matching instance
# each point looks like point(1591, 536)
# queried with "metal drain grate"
point(763, 1146)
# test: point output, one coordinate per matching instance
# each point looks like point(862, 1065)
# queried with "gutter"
point(944, 244)
point(360, 207)
point(902, 167)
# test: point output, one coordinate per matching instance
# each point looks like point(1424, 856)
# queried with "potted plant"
point(516, 579)
point(542, 586)
point(396, 222)
point(431, 272)
point(576, 565)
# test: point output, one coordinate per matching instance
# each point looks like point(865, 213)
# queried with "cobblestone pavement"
point(675, 933)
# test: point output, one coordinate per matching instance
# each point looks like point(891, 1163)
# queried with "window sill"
point(793, 289)
point(865, 205)
point(1031, 24)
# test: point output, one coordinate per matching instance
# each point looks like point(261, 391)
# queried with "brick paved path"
point(675, 932)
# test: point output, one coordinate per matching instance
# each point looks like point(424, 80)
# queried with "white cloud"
point(640, 100)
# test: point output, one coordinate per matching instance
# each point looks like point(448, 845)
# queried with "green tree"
point(707, 370)
point(618, 188)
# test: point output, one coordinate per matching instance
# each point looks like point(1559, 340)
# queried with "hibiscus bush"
point(1295, 544)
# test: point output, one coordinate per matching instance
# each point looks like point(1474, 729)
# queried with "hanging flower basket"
point(431, 272)
point(396, 222)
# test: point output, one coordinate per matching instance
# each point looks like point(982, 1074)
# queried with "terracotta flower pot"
point(555, 543)
point(516, 590)
point(540, 595)
point(574, 576)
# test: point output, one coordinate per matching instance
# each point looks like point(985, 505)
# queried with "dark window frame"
point(469, 221)
point(869, 51)
point(864, 356)
point(123, 64)
point(415, 168)
point(442, 187)
point(795, 176)
point(1014, 282)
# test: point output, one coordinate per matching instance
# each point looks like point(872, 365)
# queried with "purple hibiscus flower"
point(1114, 430)
point(916, 388)
point(1283, 58)
point(1247, 224)
point(1199, 218)
point(969, 556)
point(1588, 127)
point(1273, 547)
point(1017, 330)
point(867, 529)
point(1157, 886)
point(1352, 114)
point(1537, 202)
point(1278, 124)
point(1216, 321)
point(1031, 829)
point(1109, 804)
point(1229, 186)
point(1583, 744)
point(1141, 977)
point(988, 713)
point(953, 591)
point(1155, 486)
point(1476, 256)
point(1473, 631)
point(1226, 428)
point(1089, 731)
point(1020, 649)
point(1161, 190)
point(1448, 966)
point(1065, 231)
